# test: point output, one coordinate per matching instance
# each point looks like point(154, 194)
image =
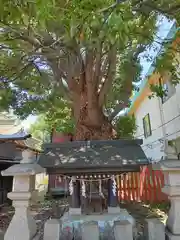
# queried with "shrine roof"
point(93, 156)
point(20, 135)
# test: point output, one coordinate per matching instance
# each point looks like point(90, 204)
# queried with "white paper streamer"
point(114, 185)
point(83, 189)
point(71, 188)
point(100, 187)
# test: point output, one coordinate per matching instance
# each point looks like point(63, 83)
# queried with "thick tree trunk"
point(88, 94)
point(91, 124)
point(87, 131)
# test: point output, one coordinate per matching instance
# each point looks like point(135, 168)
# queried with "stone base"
point(106, 217)
point(22, 227)
point(114, 210)
point(105, 222)
point(74, 211)
point(170, 236)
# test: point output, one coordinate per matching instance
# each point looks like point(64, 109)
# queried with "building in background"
point(15, 143)
point(9, 154)
point(9, 125)
point(158, 119)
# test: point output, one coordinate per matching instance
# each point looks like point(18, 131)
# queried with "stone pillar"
point(90, 230)
point(171, 170)
point(52, 229)
point(75, 204)
point(22, 226)
point(154, 229)
point(123, 230)
point(113, 203)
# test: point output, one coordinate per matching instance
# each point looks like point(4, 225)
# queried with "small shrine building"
point(91, 169)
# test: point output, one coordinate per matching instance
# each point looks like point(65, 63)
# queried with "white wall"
point(167, 113)
point(150, 106)
point(171, 110)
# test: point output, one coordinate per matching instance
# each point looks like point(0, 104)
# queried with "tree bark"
point(83, 77)
point(91, 123)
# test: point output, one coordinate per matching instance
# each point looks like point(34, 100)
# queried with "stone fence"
point(121, 230)
point(23, 226)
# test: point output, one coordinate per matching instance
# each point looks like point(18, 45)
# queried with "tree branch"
point(119, 107)
point(103, 71)
point(82, 79)
point(89, 77)
point(138, 6)
point(110, 75)
point(170, 11)
point(127, 85)
point(114, 5)
point(23, 69)
point(97, 71)
point(59, 76)
point(22, 35)
point(30, 39)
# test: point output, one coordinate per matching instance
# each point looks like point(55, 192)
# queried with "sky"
point(164, 27)
point(163, 30)
point(27, 123)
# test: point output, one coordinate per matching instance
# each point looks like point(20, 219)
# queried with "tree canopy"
point(84, 54)
point(60, 120)
point(40, 129)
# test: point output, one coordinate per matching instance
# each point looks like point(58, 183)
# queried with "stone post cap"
point(167, 165)
point(90, 223)
point(25, 169)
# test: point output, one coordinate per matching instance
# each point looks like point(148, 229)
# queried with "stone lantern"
point(171, 170)
point(22, 226)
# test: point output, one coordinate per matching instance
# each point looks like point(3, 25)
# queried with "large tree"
point(62, 122)
point(86, 52)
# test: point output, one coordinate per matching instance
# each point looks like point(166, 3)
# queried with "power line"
point(161, 125)
point(148, 144)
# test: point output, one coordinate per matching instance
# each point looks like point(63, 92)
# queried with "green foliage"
point(40, 129)
point(59, 119)
point(167, 61)
point(157, 90)
point(43, 42)
point(125, 126)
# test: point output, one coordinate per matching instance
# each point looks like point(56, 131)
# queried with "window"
point(147, 126)
point(168, 89)
point(165, 90)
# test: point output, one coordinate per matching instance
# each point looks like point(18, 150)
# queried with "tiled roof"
point(21, 135)
point(31, 143)
point(93, 154)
